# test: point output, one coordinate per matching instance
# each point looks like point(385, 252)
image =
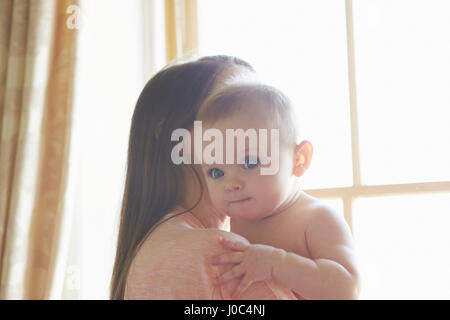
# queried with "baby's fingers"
point(233, 273)
point(226, 258)
point(233, 244)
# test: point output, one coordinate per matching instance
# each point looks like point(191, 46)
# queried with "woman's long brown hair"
point(154, 184)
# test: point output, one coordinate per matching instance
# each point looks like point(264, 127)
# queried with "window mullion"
point(352, 93)
point(348, 211)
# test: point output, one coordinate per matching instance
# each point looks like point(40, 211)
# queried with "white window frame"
point(348, 194)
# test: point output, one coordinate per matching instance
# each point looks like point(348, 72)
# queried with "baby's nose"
point(234, 185)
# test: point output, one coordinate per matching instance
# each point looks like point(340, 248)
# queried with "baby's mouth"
point(238, 201)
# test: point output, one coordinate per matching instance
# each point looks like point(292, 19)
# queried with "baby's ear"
point(303, 155)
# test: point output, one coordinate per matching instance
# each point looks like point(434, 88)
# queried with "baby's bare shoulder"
point(314, 209)
point(325, 227)
point(325, 219)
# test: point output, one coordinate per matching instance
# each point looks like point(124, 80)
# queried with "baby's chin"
point(247, 210)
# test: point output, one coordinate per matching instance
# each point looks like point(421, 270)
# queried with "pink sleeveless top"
point(173, 263)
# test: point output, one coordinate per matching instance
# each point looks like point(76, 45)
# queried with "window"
point(403, 76)
point(109, 80)
point(370, 81)
point(402, 243)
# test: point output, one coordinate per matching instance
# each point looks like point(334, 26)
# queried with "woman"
point(168, 229)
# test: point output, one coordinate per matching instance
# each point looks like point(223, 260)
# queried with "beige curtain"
point(37, 55)
point(181, 29)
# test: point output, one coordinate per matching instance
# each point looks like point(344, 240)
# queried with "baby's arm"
point(330, 273)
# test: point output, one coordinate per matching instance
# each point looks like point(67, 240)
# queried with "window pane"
point(403, 246)
point(300, 47)
point(402, 51)
point(109, 80)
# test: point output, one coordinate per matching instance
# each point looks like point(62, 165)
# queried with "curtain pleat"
point(181, 29)
point(35, 121)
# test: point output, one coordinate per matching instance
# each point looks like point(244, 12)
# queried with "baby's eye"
point(215, 173)
point(251, 162)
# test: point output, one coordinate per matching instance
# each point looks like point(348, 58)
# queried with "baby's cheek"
point(216, 196)
point(272, 191)
point(272, 199)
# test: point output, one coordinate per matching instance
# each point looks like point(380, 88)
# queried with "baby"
point(296, 240)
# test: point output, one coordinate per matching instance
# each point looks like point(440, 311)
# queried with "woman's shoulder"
point(182, 239)
point(173, 258)
point(182, 224)
point(179, 230)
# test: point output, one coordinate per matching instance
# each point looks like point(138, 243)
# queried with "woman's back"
point(170, 263)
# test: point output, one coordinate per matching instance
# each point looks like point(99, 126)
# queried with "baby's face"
point(240, 190)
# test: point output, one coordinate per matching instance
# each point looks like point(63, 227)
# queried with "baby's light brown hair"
point(249, 98)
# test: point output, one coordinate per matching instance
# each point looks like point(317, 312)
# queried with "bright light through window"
point(109, 80)
point(403, 246)
point(300, 47)
point(402, 51)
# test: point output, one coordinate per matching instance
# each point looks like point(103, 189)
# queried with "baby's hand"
point(252, 261)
